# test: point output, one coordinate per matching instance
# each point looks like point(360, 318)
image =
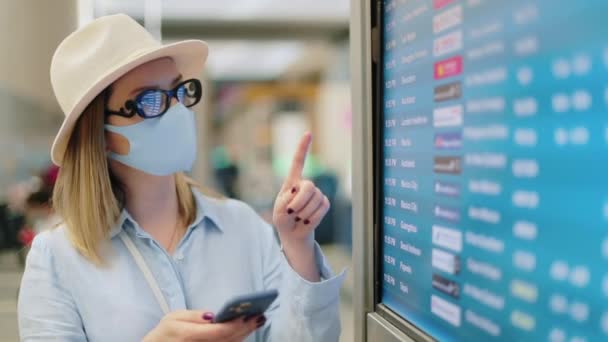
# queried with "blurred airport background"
point(276, 69)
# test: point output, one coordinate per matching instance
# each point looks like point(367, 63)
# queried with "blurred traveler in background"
point(12, 218)
point(39, 212)
point(27, 211)
point(226, 172)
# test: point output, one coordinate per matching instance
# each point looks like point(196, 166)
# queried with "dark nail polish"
point(207, 316)
point(260, 319)
point(262, 322)
point(293, 190)
point(289, 211)
point(298, 219)
point(306, 221)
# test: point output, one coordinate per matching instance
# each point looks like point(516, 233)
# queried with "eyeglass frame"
point(132, 105)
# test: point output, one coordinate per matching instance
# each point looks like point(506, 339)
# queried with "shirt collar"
point(205, 208)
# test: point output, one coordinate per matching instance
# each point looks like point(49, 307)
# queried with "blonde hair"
point(88, 196)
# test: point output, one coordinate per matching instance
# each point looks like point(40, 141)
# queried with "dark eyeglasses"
point(153, 103)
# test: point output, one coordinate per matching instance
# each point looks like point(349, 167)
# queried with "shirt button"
point(179, 257)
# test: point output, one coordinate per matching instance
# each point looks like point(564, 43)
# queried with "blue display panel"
point(495, 168)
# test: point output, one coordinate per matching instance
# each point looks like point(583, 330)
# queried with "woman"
point(143, 254)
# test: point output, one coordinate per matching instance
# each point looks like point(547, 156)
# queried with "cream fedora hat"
point(94, 56)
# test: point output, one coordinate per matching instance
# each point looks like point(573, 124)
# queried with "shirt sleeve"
point(304, 311)
point(46, 309)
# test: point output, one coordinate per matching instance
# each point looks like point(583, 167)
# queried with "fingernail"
point(261, 322)
point(289, 211)
point(306, 221)
point(248, 318)
point(293, 190)
point(207, 316)
point(298, 219)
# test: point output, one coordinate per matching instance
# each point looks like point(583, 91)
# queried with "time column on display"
point(407, 134)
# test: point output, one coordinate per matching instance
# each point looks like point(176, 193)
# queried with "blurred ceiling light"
point(86, 11)
point(153, 17)
point(298, 10)
point(251, 60)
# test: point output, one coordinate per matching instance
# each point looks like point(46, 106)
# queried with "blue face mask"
point(160, 146)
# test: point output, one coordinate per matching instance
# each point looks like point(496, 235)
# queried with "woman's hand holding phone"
point(190, 325)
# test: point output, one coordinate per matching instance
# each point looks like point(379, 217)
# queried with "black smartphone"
point(247, 305)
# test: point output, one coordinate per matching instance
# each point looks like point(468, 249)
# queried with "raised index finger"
point(297, 165)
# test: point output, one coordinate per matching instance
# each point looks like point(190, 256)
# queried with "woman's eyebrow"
point(177, 79)
point(138, 89)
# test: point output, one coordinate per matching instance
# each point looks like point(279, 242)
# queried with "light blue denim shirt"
point(228, 251)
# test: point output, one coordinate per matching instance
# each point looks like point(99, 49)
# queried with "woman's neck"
point(152, 202)
point(151, 198)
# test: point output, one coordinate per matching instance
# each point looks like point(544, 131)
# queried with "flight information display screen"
point(494, 170)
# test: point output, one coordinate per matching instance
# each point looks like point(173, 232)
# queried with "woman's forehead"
point(157, 73)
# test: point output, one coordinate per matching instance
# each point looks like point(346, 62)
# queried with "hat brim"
point(189, 56)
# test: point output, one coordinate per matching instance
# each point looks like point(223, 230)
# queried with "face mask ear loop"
point(114, 130)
